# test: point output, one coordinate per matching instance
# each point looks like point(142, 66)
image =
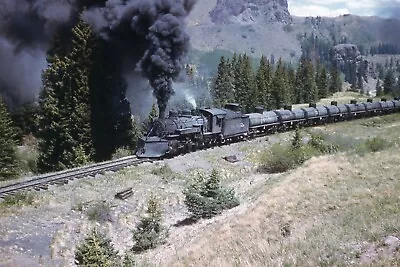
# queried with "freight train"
point(182, 132)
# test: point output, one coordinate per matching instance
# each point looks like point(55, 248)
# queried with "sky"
point(331, 8)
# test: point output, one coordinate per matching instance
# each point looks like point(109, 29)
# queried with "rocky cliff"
point(343, 53)
point(270, 11)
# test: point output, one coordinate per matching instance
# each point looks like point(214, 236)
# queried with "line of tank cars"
point(182, 132)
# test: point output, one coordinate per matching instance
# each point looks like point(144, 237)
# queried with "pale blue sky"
point(383, 8)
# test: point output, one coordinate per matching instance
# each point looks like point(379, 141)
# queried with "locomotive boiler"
point(183, 132)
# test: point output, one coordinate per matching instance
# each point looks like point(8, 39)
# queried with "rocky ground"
point(45, 231)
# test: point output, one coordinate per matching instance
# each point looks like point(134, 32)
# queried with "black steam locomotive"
point(184, 132)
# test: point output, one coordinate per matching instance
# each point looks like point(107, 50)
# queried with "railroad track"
point(43, 181)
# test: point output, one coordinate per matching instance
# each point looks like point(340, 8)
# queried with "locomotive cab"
point(228, 122)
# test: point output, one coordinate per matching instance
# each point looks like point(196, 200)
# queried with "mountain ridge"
point(266, 27)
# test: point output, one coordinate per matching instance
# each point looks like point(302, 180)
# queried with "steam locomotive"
point(182, 132)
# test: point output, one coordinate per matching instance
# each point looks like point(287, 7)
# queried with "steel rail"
point(42, 182)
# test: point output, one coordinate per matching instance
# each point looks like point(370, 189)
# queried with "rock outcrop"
point(343, 53)
point(249, 11)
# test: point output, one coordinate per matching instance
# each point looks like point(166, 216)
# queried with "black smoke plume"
point(148, 36)
point(26, 28)
point(151, 34)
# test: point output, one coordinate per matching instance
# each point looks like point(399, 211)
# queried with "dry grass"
point(334, 210)
point(324, 213)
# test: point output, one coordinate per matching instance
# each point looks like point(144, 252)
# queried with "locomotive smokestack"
point(162, 114)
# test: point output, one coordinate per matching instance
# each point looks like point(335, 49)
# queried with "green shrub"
point(288, 28)
point(165, 172)
point(128, 260)
point(281, 158)
point(18, 199)
point(374, 144)
point(149, 232)
point(121, 153)
point(97, 250)
point(297, 141)
point(318, 142)
point(99, 211)
point(206, 198)
point(27, 155)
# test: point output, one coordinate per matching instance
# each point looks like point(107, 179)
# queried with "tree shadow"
point(185, 222)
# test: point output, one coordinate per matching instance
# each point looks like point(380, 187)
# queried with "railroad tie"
point(124, 194)
point(43, 186)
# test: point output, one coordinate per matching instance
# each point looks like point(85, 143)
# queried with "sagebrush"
point(99, 211)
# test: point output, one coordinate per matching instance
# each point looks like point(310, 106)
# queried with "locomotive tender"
point(184, 132)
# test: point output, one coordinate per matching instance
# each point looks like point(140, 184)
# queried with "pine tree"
point(97, 250)
point(335, 84)
point(153, 113)
point(310, 91)
point(244, 83)
point(8, 161)
point(322, 81)
point(263, 83)
point(150, 119)
point(205, 197)
point(291, 79)
point(397, 89)
point(381, 71)
point(306, 89)
point(79, 94)
point(279, 87)
point(389, 83)
point(52, 131)
point(299, 84)
point(360, 83)
point(249, 98)
point(149, 231)
point(59, 45)
point(123, 132)
point(237, 78)
point(223, 85)
point(297, 140)
point(103, 103)
point(378, 88)
point(65, 119)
